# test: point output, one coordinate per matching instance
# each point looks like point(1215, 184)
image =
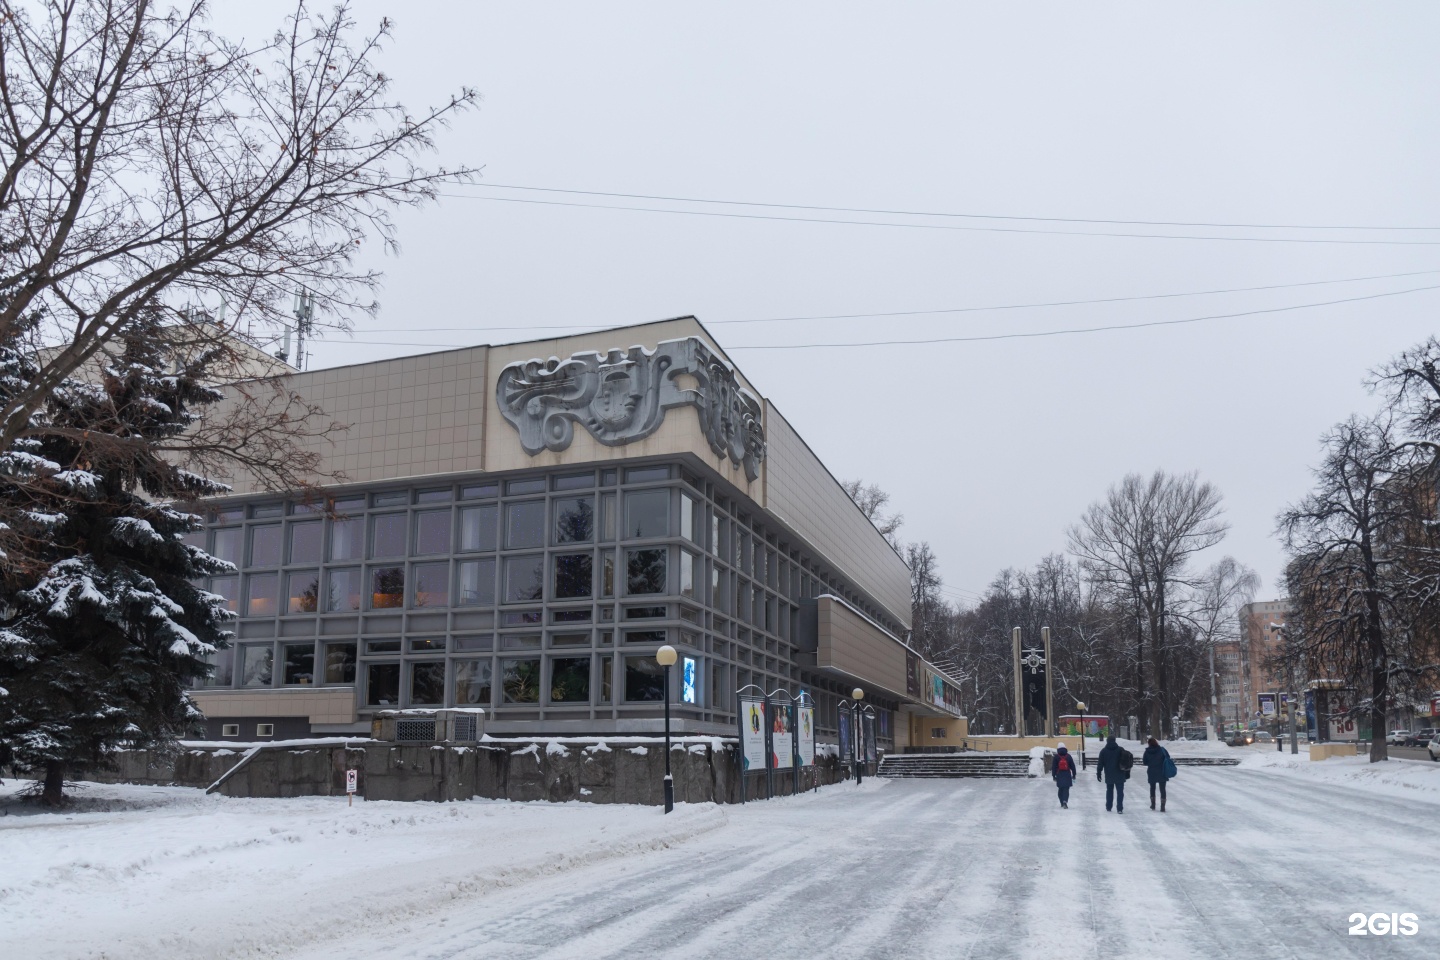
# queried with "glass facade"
point(537, 596)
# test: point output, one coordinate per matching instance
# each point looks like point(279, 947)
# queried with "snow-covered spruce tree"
point(101, 628)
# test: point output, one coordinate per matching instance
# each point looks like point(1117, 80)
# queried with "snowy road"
point(1248, 864)
point(1245, 865)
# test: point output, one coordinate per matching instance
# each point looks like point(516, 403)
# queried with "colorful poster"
point(782, 741)
point(687, 681)
point(843, 725)
point(752, 733)
point(806, 736)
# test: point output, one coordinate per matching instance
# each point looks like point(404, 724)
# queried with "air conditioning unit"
point(461, 725)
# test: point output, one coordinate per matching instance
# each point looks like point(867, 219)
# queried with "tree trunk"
point(1379, 700)
point(54, 792)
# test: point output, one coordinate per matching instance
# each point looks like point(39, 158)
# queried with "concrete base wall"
point(594, 772)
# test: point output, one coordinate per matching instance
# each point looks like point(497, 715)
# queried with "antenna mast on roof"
point(304, 319)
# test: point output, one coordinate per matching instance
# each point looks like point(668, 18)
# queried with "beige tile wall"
point(320, 704)
point(802, 492)
point(851, 644)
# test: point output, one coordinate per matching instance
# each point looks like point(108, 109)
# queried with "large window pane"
point(432, 584)
point(524, 578)
point(342, 590)
point(432, 533)
point(257, 665)
point(388, 535)
point(644, 680)
point(645, 571)
point(302, 591)
point(339, 663)
point(261, 590)
point(574, 574)
point(647, 513)
point(223, 672)
point(520, 680)
point(688, 524)
point(477, 582)
point(427, 683)
point(607, 516)
point(229, 588)
point(575, 520)
point(477, 527)
point(525, 524)
point(570, 680)
point(346, 539)
point(472, 683)
point(299, 663)
point(227, 545)
point(387, 587)
point(382, 685)
point(265, 545)
point(305, 541)
point(687, 574)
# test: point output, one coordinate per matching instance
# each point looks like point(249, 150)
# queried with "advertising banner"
point(1097, 727)
point(689, 687)
point(870, 743)
point(1267, 704)
point(782, 740)
point(806, 736)
point(1341, 727)
point(752, 733)
point(842, 723)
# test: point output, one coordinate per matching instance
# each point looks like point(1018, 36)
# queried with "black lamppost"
point(859, 695)
point(1080, 705)
point(665, 656)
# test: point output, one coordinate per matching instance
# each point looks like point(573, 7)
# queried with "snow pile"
point(1411, 779)
point(129, 854)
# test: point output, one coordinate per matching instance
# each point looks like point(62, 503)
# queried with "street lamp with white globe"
point(665, 656)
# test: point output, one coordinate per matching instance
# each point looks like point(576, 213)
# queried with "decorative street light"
point(857, 694)
point(665, 656)
point(1080, 705)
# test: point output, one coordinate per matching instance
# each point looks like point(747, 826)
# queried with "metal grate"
point(463, 727)
point(415, 729)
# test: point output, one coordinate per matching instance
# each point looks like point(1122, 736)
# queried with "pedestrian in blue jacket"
point(1062, 769)
point(1157, 762)
point(1113, 766)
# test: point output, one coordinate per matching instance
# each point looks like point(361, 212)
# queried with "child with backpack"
point(1062, 769)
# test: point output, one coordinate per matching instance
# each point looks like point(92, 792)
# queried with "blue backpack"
point(1170, 771)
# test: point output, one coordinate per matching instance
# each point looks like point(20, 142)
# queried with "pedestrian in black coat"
point(1154, 759)
point(1108, 768)
point(1062, 769)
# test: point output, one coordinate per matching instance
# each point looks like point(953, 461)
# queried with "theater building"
point(521, 526)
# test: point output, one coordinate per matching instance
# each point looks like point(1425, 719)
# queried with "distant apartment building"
point(1249, 666)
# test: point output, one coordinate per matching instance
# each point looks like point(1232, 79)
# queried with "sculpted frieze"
point(622, 396)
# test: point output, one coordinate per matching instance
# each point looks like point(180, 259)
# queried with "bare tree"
point(1212, 610)
point(1351, 613)
point(928, 611)
point(147, 163)
point(1137, 543)
point(872, 501)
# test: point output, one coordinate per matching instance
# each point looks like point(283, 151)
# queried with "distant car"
point(1264, 737)
point(1423, 737)
point(1433, 748)
point(1197, 735)
point(1397, 737)
point(1242, 739)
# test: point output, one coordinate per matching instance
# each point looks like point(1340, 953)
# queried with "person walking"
point(1159, 768)
point(1062, 769)
point(1113, 766)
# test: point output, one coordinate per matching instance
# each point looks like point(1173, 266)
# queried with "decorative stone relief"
point(622, 397)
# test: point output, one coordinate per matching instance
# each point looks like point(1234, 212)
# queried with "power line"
point(997, 336)
point(946, 226)
point(1079, 330)
point(942, 310)
point(932, 213)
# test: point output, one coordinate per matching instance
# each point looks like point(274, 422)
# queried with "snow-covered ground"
point(1265, 860)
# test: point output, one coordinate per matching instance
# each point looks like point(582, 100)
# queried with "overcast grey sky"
point(1237, 113)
